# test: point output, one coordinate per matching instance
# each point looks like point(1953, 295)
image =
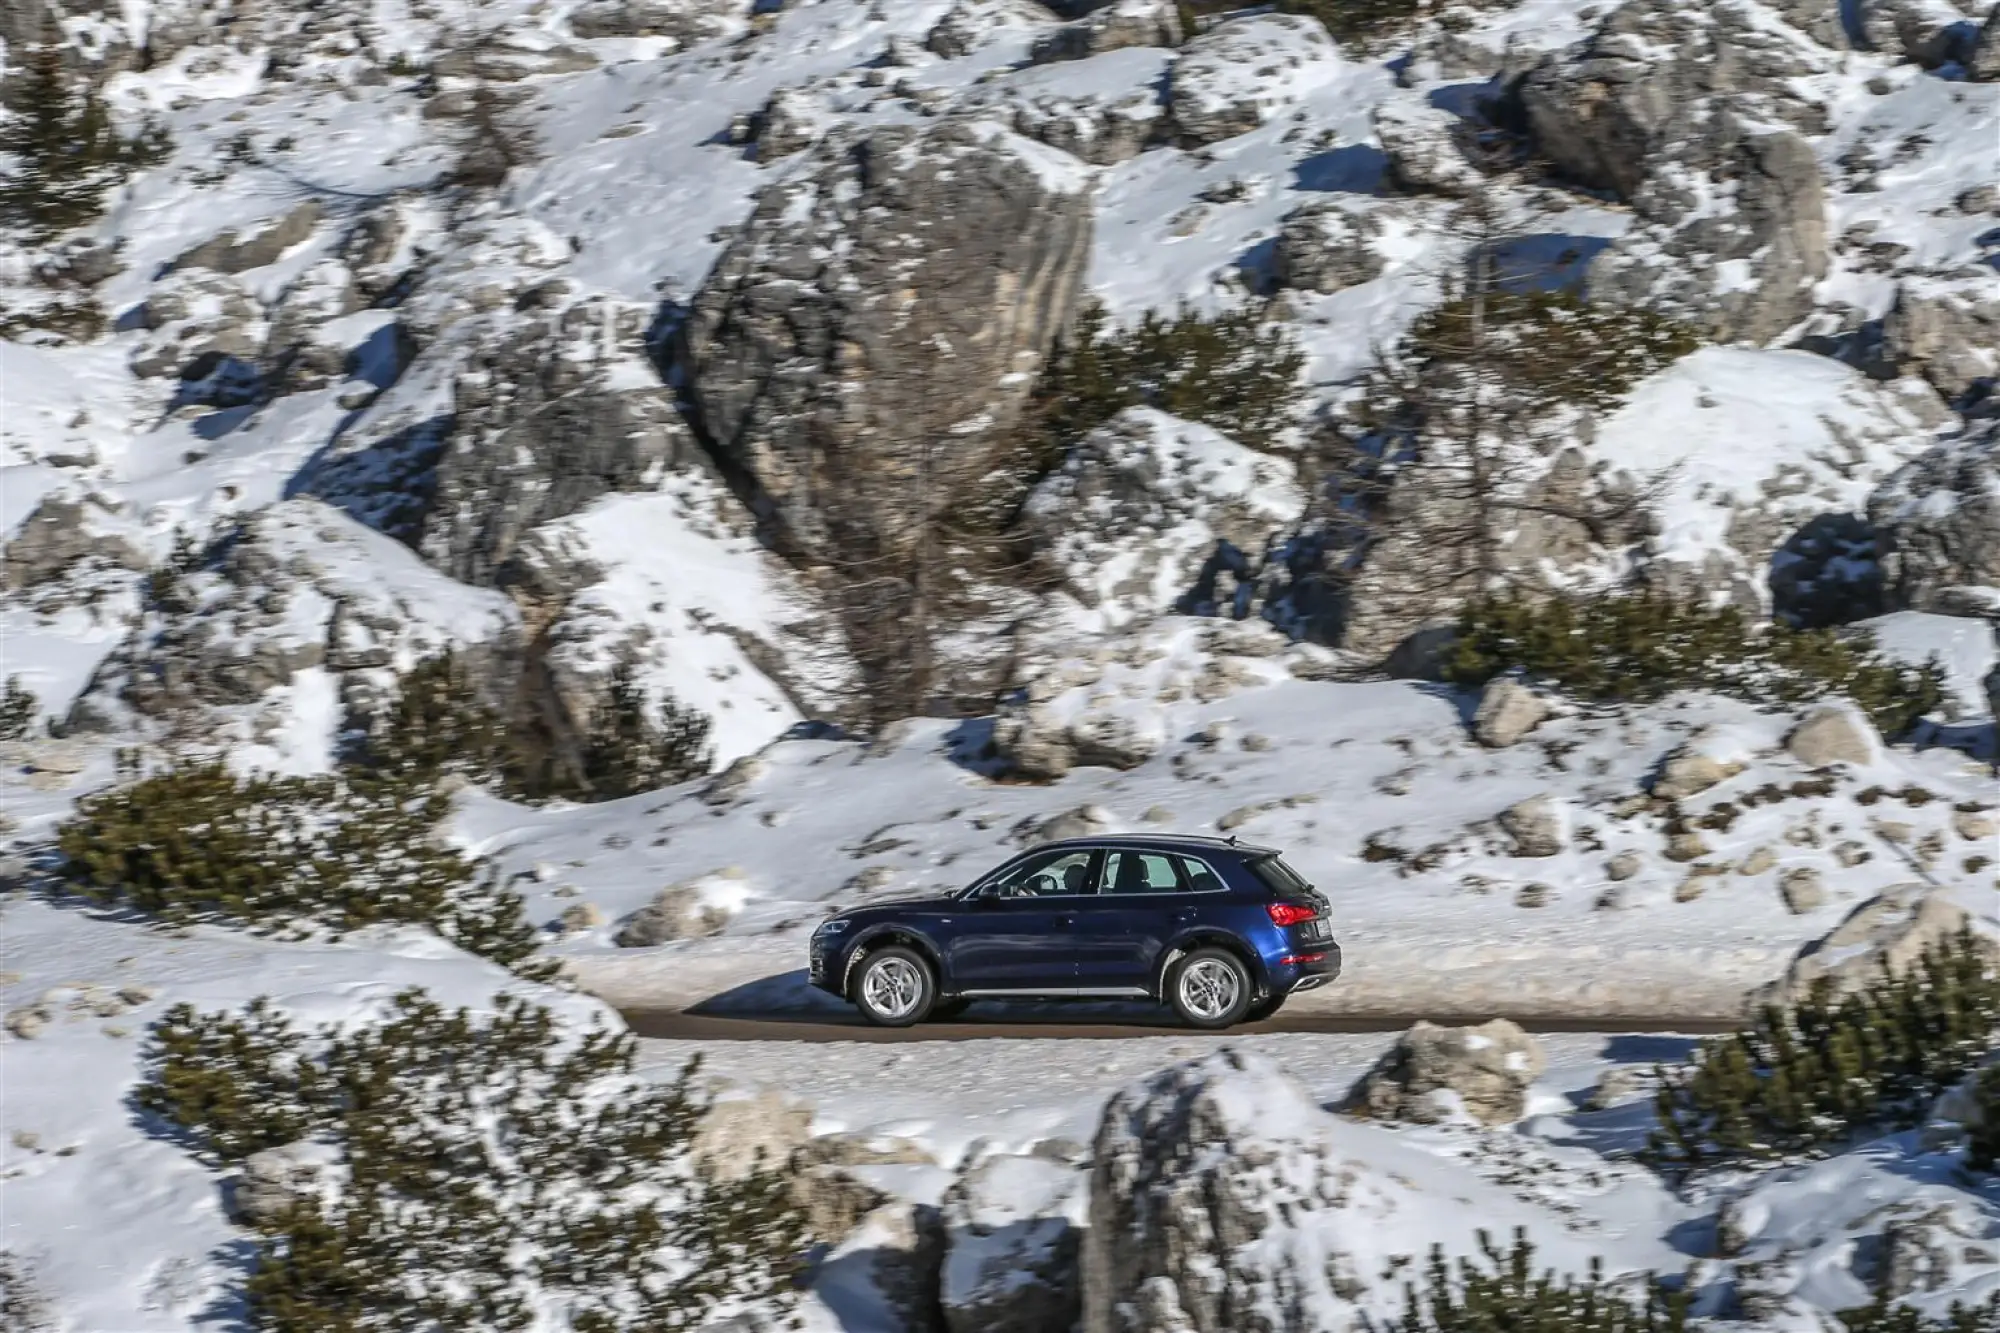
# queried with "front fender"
point(870, 936)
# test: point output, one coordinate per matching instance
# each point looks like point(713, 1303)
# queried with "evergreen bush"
point(18, 710)
point(1814, 1076)
point(1506, 1296)
point(1231, 371)
point(1884, 1317)
point(66, 151)
point(486, 1168)
point(1644, 646)
point(1982, 1147)
point(288, 853)
point(441, 723)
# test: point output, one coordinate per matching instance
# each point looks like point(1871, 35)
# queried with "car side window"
point(1197, 877)
point(1058, 874)
point(1140, 872)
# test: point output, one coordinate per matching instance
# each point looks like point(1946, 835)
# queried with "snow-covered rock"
point(1892, 929)
point(1327, 246)
point(1435, 1072)
point(1105, 110)
point(1012, 1226)
point(1938, 523)
point(1835, 734)
point(1241, 73)
point(1148, 511)
point(1111, 27)
point(1422, 144)
point(1508, 710)
point(1536, 826)
point(1223, 1198)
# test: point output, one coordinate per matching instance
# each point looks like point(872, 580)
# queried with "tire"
point(894, 988)
point(1210, 988)
point(946, 1010)
point(1264, 1008)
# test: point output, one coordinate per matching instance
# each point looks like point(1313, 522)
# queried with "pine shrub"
point(1814, 1076)
point(1231, 371)
point(18, 710)
point(486, 1168)
point(293, 854)
point(66, 152)
point(1884, 1317)
point(1982, 1147)
point(1550, 346)
point(1644, 646)
point(1506, 1296)
point(441, 723)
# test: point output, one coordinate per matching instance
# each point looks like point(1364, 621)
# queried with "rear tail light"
point(1292, 958)
point(1290, 914)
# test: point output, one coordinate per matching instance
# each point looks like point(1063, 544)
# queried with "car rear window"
point(1281, 877)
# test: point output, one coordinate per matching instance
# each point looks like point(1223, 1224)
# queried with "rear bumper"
point(1310, 973)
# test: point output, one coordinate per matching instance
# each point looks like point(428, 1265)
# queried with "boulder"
point(1042, 745)
point(1082, 822)
point(1975, 825)
point(971, 24)
point(1622, 867)
point(1536, 826)
point(1104, 110)
point(677, 912)
point(276, 1178)
point(236, 252)
point(1945, 326)
point(880, 318)
point(58, 533)
point(1983, 64)
point(1421, 142)
point(1223, 1199)
point(1012, 1230)
point(1112, 27)
point(1937, 522)
point(1328, 246)
point(1929, 32)
point(1893, 928)
point(1834, 734)
point(1508, 710)
point(739, 1135)
point(1238, 74)
point(1433, 1072)
point(1687, 771)
point(682, 20)
point(792, 120)
point(513, 54)
point(733, 783)
point(1136, 514)
point(1802, 890)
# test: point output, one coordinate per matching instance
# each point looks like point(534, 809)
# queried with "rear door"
point(1124, 927)
point(1017, 934)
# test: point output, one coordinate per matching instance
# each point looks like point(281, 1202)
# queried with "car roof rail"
point(1170, 839)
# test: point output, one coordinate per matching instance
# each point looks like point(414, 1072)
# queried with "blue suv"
point(1221, 932)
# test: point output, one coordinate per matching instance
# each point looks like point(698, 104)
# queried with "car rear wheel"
point(1210, 989)
point(894, 988)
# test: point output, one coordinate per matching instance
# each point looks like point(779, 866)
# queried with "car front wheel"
point(1210, 989)
point(894, 988)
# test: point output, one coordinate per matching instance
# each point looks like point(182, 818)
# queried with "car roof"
point(1165, 842)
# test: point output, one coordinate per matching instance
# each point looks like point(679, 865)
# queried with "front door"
point(1019, 932)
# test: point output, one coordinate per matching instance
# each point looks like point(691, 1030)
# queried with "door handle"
point(1065, 921)
point(1186, 914)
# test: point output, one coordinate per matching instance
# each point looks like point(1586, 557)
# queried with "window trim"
point(1095, 865)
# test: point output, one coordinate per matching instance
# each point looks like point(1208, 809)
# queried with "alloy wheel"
point(893, 987)
point(1209, 988)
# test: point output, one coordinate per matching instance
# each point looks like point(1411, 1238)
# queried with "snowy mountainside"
point(668, 343)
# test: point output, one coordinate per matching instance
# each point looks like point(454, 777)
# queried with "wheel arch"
point(1206, 937)
point(885, 935)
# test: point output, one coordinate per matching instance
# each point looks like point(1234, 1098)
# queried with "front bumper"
point(824, 964)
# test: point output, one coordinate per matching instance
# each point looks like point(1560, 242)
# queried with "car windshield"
point(1281, 877)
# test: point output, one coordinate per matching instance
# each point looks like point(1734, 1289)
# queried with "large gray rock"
point(58, 534)
point(1011, 1246)
point(1113, 27)
point(546, 420)
point(1328, 246)
point(866, 342)
point(275, 1179)
point(1535, 825)
point(238, 252)
point(1984, 62)
point(1104, 110)
point(1508, 710)
point(1433, 1071)
point(1670, 105)
point(1929, 32)
point(1892, 929)
point(1937, 522)
point(1945, 327)
point(1421, 142)
point(1834, 734)
point(1132, 519)
point(1239, 74)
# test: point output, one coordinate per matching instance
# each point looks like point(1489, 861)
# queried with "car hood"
point(900, 907)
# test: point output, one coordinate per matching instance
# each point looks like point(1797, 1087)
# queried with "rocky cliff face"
point(869, 336)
